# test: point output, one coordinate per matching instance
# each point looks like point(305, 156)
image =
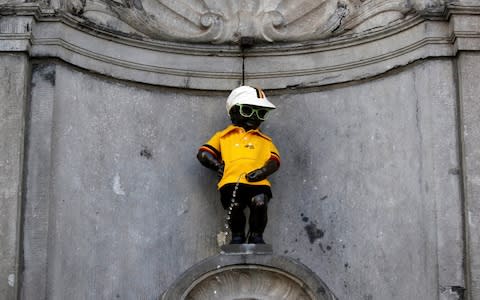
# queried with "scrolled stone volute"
point(224, 21)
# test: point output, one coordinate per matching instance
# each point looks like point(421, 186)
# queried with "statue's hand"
point(256, 175)
point(268, 169)
point(210, 161)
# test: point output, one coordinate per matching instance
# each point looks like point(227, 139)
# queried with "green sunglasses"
point(247, 111)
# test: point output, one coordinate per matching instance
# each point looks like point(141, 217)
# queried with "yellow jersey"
point(242, 152)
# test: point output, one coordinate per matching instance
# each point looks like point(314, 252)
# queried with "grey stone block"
point(469, 72)
point(14, 76)
point(38, 204)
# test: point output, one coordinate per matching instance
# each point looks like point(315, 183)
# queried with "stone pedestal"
point(246, 249)
point(248, 272)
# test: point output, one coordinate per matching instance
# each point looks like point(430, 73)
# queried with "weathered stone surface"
point(15, 32)
point(3, 2)
point(372, 181)
point(127, 207)
point(265, 20)
point(359, 198)
point(38, 193)
point(469, 72)
point(342, 63)
point(434, 31)
point(13, 72)
point(442, 183)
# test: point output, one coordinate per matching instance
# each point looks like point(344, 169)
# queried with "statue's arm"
point(270, 167)
point(210, 160)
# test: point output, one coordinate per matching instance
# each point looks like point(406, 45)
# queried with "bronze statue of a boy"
point(244, 157)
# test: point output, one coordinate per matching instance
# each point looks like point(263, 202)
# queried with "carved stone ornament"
point(249, 283)
point(248, 276)
point(226, 21)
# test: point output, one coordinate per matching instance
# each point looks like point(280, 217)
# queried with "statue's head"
point(248, 107)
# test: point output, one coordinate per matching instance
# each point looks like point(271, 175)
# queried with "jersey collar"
point(257, 131)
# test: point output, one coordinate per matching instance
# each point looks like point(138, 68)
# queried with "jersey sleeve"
point(274, 154)
point(212, 145)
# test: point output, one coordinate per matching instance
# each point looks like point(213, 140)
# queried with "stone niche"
point(105, 102)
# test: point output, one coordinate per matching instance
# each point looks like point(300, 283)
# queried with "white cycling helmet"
point(248, 95)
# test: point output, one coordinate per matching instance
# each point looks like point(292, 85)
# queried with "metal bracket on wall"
point(246, 42)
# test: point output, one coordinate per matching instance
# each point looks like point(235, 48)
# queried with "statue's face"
point(239, 118)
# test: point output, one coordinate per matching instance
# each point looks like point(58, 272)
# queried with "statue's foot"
point(237, 239)
point(256, 238)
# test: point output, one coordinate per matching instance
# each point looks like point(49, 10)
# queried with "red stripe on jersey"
point(275, 157)
point(203, 148)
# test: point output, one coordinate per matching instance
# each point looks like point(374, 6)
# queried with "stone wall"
point(117, 203)
point(102, 197)
point(470, 133)
point(14, 74)
point(368, 191)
